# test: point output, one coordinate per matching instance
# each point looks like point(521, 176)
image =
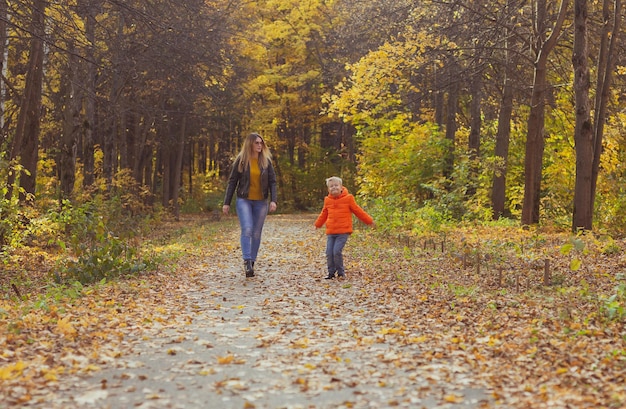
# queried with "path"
point(284, 339)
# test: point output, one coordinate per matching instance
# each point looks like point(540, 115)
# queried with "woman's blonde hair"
point(246, 152)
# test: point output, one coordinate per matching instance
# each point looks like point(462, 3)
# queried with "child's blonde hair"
point(334, 179)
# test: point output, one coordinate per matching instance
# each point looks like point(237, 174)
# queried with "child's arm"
point(321, 219)
point(361, 214)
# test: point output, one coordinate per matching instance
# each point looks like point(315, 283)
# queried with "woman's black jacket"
point(241, 182)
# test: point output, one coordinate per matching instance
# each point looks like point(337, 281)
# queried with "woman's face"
point(258, 145)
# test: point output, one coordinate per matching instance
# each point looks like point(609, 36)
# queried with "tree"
point(88, 11)
point(501, 150)
point(545, 39)
point(4, 35)
point(588, 132)
point(25, 144)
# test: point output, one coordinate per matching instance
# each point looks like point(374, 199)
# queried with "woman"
point(253, 178)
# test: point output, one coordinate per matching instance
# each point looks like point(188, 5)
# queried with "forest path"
point(286, 338)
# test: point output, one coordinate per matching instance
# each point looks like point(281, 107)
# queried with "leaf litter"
point(410, 327)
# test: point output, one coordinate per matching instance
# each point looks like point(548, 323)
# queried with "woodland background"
point(486, 138)
point(115, 114)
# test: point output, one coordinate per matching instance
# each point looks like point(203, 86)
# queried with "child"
point(337, 214)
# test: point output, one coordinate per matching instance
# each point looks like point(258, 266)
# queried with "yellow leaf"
point(301, 343)
point(416, 340)
point(453, 398)
point(65, 328)
point(25, 398)
point(385, 331)
point(5, 373)
point(225, 360)
point(20, 366)
point(50, 375)
point(12, 371)
point(92, 368)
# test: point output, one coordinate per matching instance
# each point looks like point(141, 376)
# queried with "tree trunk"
point(26, 141)
point(475, 116)
point(71, 126)
point(140, 159)
point(452, 109)
point(166, 175)
point(438, 100)
point(111, 131)
point(89, 124)
point(474, 135)
point(149, 174)
point(605, 69)
point(4, 47)
point(583, 130)
point(535, 142)
point(498, 192)
point(178, 166)
point(503, 136)
point(588, 139)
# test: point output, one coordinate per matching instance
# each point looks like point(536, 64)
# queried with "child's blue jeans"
point(251, 215)
point(334, 253)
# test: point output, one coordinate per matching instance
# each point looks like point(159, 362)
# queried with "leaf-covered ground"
point(415, 324)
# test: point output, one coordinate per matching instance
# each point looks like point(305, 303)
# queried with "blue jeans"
point(334, 253)
point(251, 215)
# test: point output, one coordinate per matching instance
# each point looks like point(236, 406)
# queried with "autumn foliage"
point(471, 302)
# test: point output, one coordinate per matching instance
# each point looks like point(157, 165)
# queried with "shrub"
point(94, 252)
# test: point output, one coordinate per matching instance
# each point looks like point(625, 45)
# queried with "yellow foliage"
point(64, 327)
point(225, 360)
point(12, 371)
point(380, 80)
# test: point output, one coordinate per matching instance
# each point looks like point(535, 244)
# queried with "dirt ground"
point(286, 338)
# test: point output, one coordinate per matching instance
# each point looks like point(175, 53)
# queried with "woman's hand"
point(225, 209)
point(272, 206)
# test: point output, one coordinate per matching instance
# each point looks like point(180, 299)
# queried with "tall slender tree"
point(588, 133)
point(4, 46)
point(545, 39)
point(25, 144)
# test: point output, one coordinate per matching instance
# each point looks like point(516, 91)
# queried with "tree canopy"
point(470, 109)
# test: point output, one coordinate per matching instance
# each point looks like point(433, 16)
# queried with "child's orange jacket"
point(337, 213)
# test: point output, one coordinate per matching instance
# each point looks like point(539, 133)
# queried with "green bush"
point(94, 252)
point(614, 307)
point(13, 215)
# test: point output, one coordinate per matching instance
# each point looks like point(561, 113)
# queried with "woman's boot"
point(249, 267)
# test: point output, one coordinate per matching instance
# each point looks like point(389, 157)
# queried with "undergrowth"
point(578, 274)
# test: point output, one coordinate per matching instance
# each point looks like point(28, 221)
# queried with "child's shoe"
point(330, 276)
